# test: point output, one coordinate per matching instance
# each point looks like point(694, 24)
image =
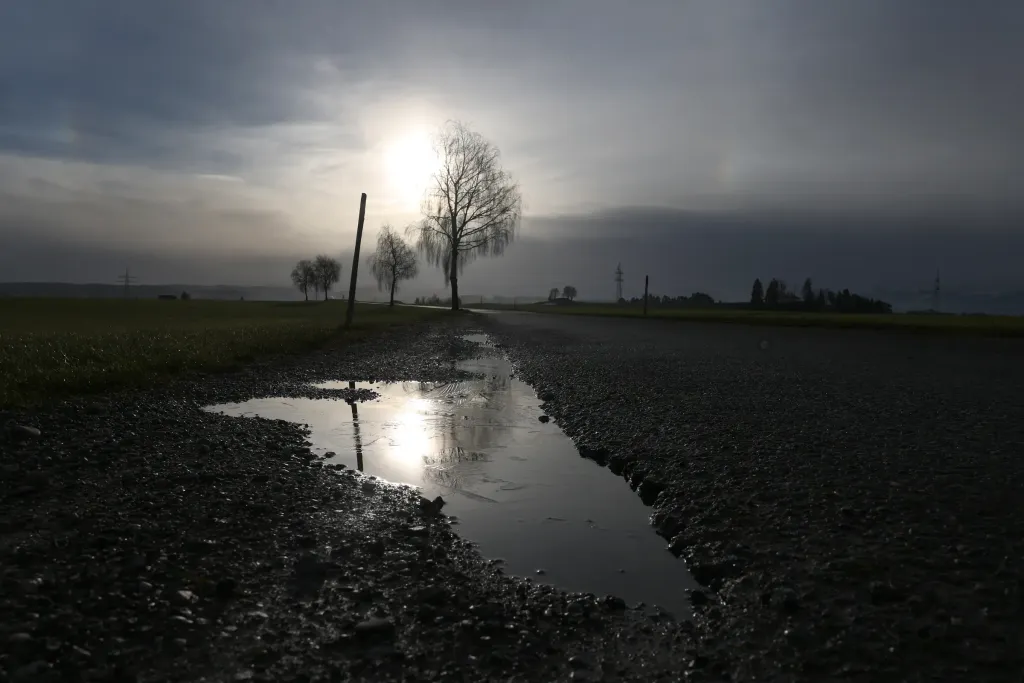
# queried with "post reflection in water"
point(355, 430)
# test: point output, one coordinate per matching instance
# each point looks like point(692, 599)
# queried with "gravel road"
point(145, 539)
point(854, 501)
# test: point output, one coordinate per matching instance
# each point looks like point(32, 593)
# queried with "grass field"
point(988, 325)
point(55, 347)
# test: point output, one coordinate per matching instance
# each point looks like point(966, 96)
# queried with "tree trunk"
point(325, 293)
point(393, 283)
point(455, 281)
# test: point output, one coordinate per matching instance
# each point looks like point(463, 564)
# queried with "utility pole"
point(646, 281)
point(355, 262)
point(618, 283)
point(127, 279)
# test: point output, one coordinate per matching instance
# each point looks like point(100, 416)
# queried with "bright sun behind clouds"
point(409, 164)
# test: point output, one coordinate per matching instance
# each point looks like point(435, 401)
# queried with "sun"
point(409, 163)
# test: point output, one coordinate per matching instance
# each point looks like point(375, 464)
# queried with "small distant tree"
point(701, 299)
point(569, 292)
point(304, 276)
point(327, 272)
point(393, 261)
point(757, 293)
point(473, 207)
point(185, 296)
point(771, 295)
point(553, 294)
point(807, 292)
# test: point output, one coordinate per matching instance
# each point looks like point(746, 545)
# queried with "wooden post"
point(355, 263)
point(646, 280)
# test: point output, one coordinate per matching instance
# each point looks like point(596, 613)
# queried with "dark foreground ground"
point(143, 539)
point(854, 500)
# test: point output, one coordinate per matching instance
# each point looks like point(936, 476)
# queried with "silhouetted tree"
point(393, 261)
point(553, 294)
point(304, 276)
point(185, 296)
point(757, 293)
point(821, 299)
point(569, 292)
point(327, 272)
point(473, 207)
point(701, 299)
point(807, 292)
point(771, 296)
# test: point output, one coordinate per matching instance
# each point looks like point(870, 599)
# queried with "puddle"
point(518, 487)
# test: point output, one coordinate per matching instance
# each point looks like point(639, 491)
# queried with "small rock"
point(598, 455)
point(882, 593)
point(225, 588)
point(432, 507)
point(20, 638)
point(187, 596)
point(614, 602)
point(699, 598)
point(649, 490)
point(24, 433)
point(541, 572)
point(375, 626)
point(617, 463)
point(577, 662)
point(544, 418)
point(677, 545)
point(789, 601)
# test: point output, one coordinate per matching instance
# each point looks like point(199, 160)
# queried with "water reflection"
point(517, 486)
point(436, 432)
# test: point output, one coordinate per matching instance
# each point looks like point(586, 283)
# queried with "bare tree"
point(303, 276)
point(569, 292)
point(327, 272)
point(393, 261)
point(472, 208)
point(553, 294)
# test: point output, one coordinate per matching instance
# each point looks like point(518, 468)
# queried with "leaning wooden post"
point(646, 280)
point(355, 263)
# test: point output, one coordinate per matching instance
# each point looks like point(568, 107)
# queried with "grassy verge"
point(57, 347)
point(986, 325)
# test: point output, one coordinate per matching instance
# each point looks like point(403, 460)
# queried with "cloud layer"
point(223, 138)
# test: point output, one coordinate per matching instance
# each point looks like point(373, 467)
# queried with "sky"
point(704, 143)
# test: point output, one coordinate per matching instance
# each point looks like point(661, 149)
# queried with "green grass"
point(1001, 326)
point(58, 347)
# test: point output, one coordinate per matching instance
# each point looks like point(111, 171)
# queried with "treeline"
point(435, 300)
point(777, 295)
point(319, 274)
point(695, 300)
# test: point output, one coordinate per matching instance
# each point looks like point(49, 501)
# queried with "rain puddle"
point(517, 486)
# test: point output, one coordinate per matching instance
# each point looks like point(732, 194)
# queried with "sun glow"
point(409, 163)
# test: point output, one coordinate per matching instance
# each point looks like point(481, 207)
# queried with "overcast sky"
point(704, 142)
